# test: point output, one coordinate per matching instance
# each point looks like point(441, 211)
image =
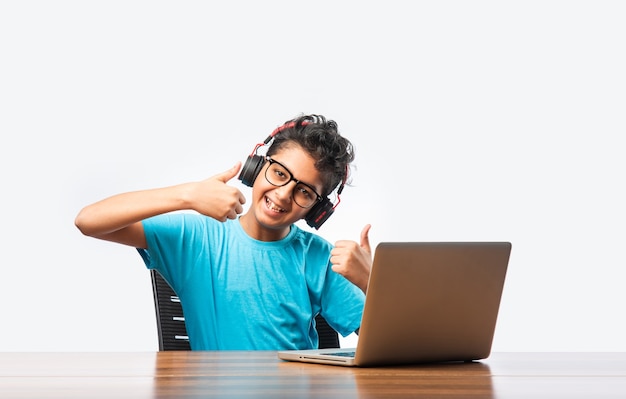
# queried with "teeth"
point(272, 206)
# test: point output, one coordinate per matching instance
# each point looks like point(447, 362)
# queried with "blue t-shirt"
point(239, 293)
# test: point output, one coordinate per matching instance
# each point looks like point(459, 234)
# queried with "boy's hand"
point(215, 198)
point(353, 260)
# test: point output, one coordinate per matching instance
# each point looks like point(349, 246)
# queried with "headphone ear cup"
point(319, 213)
point(251, 169)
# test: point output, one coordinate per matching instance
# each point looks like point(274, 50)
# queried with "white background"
point(472, 120)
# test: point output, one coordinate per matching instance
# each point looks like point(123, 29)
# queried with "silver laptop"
point(426, 302)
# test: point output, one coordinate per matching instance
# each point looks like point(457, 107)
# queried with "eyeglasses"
point(278, 175)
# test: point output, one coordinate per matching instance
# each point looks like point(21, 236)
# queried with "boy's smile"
point(272, 206)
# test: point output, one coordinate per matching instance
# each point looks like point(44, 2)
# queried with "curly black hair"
point(319, 137)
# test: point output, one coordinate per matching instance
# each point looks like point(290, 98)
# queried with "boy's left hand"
point(353, 260)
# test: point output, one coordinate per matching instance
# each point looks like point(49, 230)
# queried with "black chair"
point(171, 321)
point(169, 314)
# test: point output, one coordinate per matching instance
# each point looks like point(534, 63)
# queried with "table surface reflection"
point(187, 374)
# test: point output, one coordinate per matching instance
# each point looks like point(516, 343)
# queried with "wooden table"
point(262, 375)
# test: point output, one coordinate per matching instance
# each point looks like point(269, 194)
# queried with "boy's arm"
point(118, 218)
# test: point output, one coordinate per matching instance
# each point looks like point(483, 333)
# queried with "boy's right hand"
point(215, 198)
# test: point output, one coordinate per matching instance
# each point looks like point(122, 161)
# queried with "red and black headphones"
point(320, 212)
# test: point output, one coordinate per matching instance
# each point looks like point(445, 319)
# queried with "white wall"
point(480, 120)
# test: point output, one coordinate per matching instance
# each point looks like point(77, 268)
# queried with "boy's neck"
point(256, 231)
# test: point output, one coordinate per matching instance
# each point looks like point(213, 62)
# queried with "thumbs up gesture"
point(215, 198)
point(353, 260)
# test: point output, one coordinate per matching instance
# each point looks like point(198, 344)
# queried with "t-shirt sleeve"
point(342, 303)
point(167, 237)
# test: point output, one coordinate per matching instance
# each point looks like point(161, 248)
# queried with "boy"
point(255, 281)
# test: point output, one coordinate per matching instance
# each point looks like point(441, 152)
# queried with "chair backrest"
point(169, 314)
point(328, 337)
point(171, 327)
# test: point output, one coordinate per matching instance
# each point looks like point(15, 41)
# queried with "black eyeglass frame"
point(291, 178)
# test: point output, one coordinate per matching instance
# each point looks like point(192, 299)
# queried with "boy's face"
point(274, 207)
